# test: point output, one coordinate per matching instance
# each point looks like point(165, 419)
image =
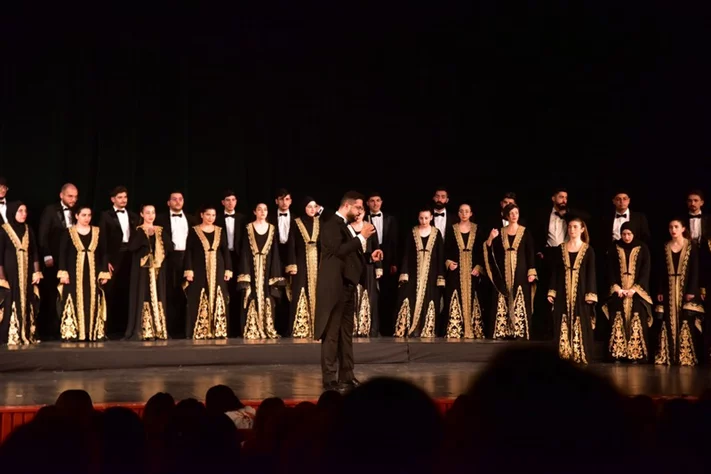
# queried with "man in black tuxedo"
point(283, 221)
point(3, 200)
point(55, 220)
point(176, 224)
point(115, 228)
point(341, 267)
point(637, 220)
point(442, 218)
point(387, 233)
point(233, 224)
point(698, 224)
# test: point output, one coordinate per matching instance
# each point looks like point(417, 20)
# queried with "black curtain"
point(320, 98)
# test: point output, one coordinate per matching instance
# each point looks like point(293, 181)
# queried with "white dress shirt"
point(352, 230)
point(3, 209)
point(284, 223)
point(557, 230)
point(179, 230)
point(377, 221)
point(695, 227)
point(67, 216)
point(230, 227)
point(617, 223)
point(441, 222)
point(123, 221)
point(504, 223)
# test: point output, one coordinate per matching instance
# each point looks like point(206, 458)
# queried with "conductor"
point(342, 261)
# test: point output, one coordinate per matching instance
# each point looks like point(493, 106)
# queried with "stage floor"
point(303, 382)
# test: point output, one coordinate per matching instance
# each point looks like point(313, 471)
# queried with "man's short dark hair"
point(556, 191)
point(176, 191)
point(227, 193)
point(373, 194)
point(281, 193)
point(350, 197)
point(696, 192)
point(118, 190)
point(441, 188)
point(509, 195)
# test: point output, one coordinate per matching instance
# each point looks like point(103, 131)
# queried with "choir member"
point(387, 232)
point(208, 268)
point(367, 291)
point(303, 284)
point(19, 278)
point(508, 198)
point(443, 221)
point(630, 303)
point(637, 220)
point(260, 275)
point(699, 224)
point(678, 303)
point(421, 277)
point(176, 224)
point(233, 224)
point(116, 225)
point(283, 221)
point(463, 261)
point(3, 200)
point(573, 294)
point(509, 262)
point(147, 295)
point(82, 271)
point(55, 220)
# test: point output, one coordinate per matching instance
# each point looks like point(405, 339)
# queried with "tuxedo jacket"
point(540, 227)
point(390, 240)
point(286, 250)
point(705, 225)
point(164, 221)
point(638, 222)
point(52, 226)
point(451, 217)
point(240, 226)
point(111, 235)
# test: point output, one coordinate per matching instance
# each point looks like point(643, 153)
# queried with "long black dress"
point(573, 283)
point(303, 284)
point(261, 277)
point(368, 292)
point(147, 296)
point(82, 303)
point(207, 259)
point(680, 335)
point(19, 263)
point(508, 267)
point(465, 318)
point(421, 276)
point(628, 267)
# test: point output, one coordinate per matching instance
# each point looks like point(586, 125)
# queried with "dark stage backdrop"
point(479, 97)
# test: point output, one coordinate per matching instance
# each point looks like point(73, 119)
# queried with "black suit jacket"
point(240, 230)
point(112, 235)
point(164, 221)
point(705, 225)
point(286, 250)
point(342, 261)
point(638, 222)
point(52, 226)
point(390, 241)
point(451, 218)
point(540, 227)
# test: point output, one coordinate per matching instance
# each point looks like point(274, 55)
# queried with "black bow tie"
point(617, 216)
point(2, 201)
point(229, 215)
point(283, 214)
point(177, 215)
point(698, 216)
point(379, 214)
point(65, 209)
point(120, 210)
point(439, 214)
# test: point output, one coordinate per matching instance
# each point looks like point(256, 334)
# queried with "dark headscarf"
point(635, 242)
point(305, 202)
point(12, 209)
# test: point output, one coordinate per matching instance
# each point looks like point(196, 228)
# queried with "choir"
point(220, 274)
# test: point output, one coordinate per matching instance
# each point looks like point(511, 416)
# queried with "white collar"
point(341, 216)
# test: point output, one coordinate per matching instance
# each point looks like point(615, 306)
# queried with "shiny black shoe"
point(331, 386)
point(350, 385)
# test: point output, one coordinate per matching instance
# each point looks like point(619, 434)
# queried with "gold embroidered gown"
point(260, 276)
point(147, 296)
point(207, 259)
point(573, 283)
point(509, 262)
point(303, 284)
point(462, 299)
point(680, 334)
point(82, 304)
point(365, 316)
point(19, 298)
point(421, 277)
point(628, 267)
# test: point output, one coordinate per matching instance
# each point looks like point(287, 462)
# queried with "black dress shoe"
point(350, 385)
point(331, 386)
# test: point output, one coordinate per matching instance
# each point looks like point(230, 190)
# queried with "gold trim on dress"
point(591, 297)
point(228, 274)
point(552, 293)
point(291, 269)
point(259, 312)
point(188, 273)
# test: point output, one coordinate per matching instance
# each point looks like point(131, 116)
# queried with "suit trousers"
point(337, 344)
point(48, 319)
point(117, 296)
point(177, 303)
